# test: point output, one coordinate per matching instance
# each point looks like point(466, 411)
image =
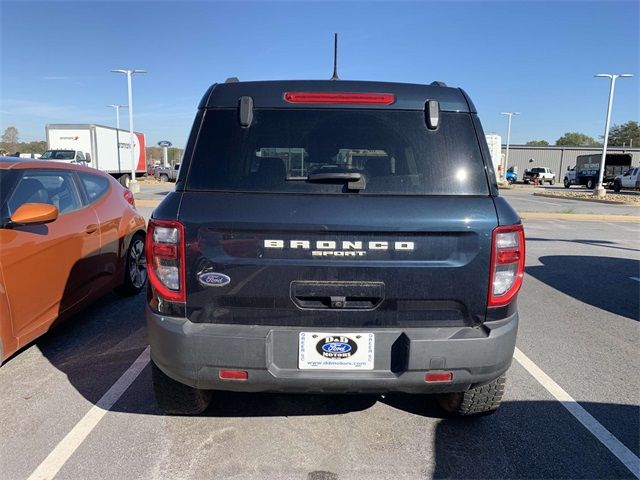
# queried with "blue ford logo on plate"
point(336, 347)
point(213, 279)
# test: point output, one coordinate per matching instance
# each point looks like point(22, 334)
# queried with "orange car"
point(68, 234)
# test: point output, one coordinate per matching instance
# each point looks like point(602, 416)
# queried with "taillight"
point(165, 259)
point(340, 98)
point(128, 196)
point(507, 264)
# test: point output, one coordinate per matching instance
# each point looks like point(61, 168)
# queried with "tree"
point(10, 139)
point(538, 143)
point(626, 134)
point(575, 139)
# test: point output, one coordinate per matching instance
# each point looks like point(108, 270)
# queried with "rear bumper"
point(194, 353)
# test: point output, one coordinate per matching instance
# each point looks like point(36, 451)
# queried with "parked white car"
point(630, 179)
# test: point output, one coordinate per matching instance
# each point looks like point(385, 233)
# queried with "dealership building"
point(557, 158)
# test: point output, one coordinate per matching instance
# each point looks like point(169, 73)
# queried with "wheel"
point(135, 275)
point(125, 180)
point(566, 182)
point(552, 181)
point(591, 184)
point(482, 400)
point(510, 181)
point(164, 178)
point(617, 186)
point(176, 398)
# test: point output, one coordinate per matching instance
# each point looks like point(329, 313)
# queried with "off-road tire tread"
point(482, 400)
point(175, 398)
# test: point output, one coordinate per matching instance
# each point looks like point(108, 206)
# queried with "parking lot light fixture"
point(506, 160)
point(600, 192)
point(133, 184)
point(117, 107)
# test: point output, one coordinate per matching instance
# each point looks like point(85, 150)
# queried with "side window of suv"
point(94, 185)
point(54, 188)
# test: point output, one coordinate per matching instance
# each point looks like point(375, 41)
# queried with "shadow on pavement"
point(524, 439)
point(603, 282)
point(528, 439)
point(595, 243)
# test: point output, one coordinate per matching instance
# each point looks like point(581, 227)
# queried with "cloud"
point(56, 78)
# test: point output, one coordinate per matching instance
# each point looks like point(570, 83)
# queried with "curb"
point(143, 202)
point(583, 199)
point(579, 217)
point(573, 217)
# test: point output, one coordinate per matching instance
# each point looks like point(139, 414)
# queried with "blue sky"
point(537, 58)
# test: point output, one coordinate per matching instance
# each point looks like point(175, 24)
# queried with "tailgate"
point(337, 261)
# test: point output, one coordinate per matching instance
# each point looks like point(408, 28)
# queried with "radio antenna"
point(335, 57)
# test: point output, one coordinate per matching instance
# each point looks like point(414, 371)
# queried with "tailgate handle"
point(337, 295)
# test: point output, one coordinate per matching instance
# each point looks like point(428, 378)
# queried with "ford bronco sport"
point(335, 237)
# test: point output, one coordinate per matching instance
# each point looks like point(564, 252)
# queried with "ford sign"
point(164, 143)
point(213, 279)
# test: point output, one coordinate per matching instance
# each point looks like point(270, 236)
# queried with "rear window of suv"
point(394, 150)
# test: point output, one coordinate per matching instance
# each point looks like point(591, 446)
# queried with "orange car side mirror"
point(34, 214)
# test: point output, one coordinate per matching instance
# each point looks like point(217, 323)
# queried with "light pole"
point(600, 191)
point(133, 185)
point(506, 160)
point(118, 107)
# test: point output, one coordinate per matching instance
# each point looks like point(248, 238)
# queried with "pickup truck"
point(587, 169)
point(630, 179)
point(165, 174)
point(542, 174)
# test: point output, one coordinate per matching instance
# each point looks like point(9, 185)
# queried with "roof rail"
point(438, 83)
point(232, 80)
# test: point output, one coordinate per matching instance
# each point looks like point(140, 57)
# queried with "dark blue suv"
point(334, 237)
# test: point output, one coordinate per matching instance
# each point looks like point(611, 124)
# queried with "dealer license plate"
point(335, 351)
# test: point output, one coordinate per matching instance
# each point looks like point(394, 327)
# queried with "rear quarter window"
point(95, 186)
point(394, 150)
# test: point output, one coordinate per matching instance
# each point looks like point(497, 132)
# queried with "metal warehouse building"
point(557, 158)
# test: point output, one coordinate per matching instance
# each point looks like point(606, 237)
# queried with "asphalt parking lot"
point(62, 415)
point(523, 200)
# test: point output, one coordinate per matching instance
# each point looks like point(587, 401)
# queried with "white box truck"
point(103, 148)
point(494, 142)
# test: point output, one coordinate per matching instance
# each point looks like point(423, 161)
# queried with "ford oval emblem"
point(336, 347)
point(213, 279)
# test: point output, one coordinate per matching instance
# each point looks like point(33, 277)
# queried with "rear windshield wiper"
point(355, 180)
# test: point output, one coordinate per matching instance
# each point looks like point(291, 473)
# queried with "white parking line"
point(615, 446)
point(70, 443)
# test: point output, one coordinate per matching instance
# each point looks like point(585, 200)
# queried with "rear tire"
point(591, 184)
point(125, 180)
point(483, 400)
point(617, 186)
point(566, 182)
point(135, 275)
point(176, 398)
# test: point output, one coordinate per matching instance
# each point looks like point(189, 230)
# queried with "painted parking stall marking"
point(70, 443)
point(626, 456)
